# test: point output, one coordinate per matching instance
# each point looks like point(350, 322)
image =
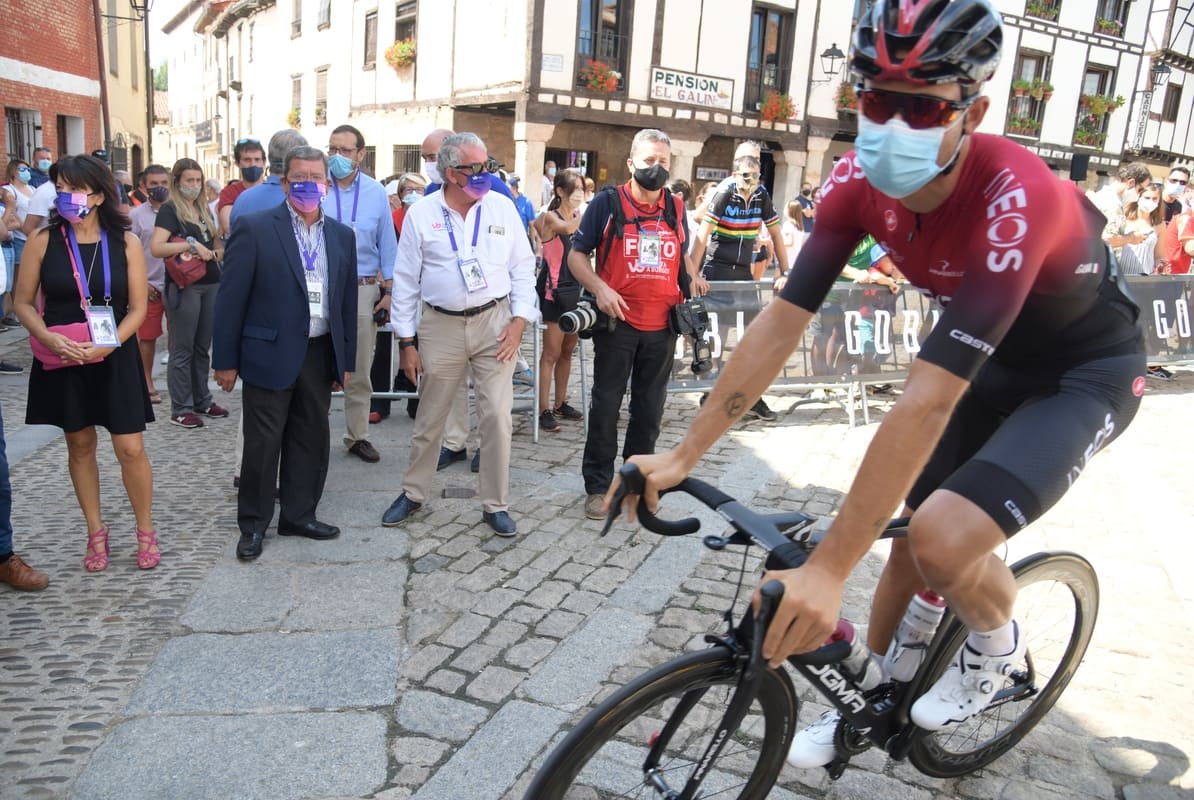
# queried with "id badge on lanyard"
point(315, 288)
point(101, 320)
point(650, 246)
point(470, 268)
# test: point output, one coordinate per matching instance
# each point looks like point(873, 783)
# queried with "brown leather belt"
point(366, 281)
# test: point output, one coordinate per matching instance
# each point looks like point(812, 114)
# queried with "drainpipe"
point(103, 78)
point(149, 92)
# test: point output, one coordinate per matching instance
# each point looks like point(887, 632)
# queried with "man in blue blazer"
point(286, 325)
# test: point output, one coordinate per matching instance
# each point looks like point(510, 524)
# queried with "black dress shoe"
point(399, 510)
point(448, 457)
point(249, 546)
point(475, 465)
point(310, 530)
point(501, 522)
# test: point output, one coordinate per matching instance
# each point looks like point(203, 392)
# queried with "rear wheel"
point(1057, 602)
point(675, 708)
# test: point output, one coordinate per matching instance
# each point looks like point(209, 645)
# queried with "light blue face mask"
point(899, 160)
point(340, 167)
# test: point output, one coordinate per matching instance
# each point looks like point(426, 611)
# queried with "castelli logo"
point(1138, 386)
point(889, 217)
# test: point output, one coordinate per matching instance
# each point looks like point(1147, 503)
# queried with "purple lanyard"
point(452, 236)
point(356, 195)
point(77, 257)
point(309, 256)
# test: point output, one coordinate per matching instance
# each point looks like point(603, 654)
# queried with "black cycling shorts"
point(1018, 440)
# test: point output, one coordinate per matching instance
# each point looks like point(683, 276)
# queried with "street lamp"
point(140, 7)
point(1160, 74)
point(829, 62)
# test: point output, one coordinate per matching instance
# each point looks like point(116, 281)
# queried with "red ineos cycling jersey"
point(1014, 255)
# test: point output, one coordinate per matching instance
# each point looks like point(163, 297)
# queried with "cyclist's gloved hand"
point(660, 470)
point(807, 614)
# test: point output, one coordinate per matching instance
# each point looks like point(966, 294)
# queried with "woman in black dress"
point(110, 392)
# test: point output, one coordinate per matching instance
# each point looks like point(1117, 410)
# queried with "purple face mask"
point(477, 186)
point(72, 206)
point(305, 195)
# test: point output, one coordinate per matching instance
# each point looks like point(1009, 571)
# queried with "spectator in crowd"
point(725, 240)
point(1179, 243)
point(184, 227)
point(408, 189)
point(124, 181)
point(13, 569)
point(792, 233)
point(590, 190)
point(457, 425)
point(808, 209)
point(637, 294)
point(139, 195)
point(682, 189)
point(549, 182)
point(556, 226)
point(249, 156)
point(156, 181)
point(269, 194)
point(1176, 186)
point(360, 202)
point(477, 285)
point(289, 268)
point(526, 208)
point(1130, 179)
point(42, 161)
point(95, 385)
point(40, 203)
point(9, 224)
point(18, 174)
point(1145, 217)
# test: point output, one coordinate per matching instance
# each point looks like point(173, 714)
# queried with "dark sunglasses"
point(472, 169)
point(919, 111)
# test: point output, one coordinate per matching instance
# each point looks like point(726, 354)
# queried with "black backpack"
point(618, 222)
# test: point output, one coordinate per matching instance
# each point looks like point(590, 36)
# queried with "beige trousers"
point(359, 390)
point(450, 348)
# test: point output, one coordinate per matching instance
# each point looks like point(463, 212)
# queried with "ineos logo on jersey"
point(843, 171)
point(1009, 225)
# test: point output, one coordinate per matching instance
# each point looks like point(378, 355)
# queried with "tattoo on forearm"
point(735, 405)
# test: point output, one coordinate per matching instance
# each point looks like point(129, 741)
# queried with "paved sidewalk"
point(436, 660)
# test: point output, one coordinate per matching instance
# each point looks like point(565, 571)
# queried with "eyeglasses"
point(472, 169)
point(341, 151)
point(919, 111)
point(1179, 183)
point(748, 176)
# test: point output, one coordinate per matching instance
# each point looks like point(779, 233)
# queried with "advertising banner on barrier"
point(865, 333)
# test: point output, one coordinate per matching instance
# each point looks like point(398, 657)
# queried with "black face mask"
point(651, 178)
point(806, 192)
point(158, 194)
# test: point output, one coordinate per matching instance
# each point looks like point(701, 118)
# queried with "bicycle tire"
point(765, 734)
point(964, 748)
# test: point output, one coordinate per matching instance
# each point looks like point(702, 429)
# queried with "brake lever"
point(769, 597)
point(632, 482)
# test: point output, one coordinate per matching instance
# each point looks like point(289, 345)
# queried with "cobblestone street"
point(436, 661)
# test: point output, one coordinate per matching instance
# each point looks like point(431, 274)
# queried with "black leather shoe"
point(399, 510)
point(500, 522)
point(311, 530)
point(475, 466)
point(249, 546)
point(448, 457)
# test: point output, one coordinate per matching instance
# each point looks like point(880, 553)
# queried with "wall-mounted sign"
point(203, 132)
point(552, 62)
point(711, 173)
point(691, 89)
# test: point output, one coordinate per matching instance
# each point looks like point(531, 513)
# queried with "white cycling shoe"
point(813, 746)
point(967, 687)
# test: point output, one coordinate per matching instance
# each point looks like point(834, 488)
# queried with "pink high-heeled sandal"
point(148, 555)
point(96, 558)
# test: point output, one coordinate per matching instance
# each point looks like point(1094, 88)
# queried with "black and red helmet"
point(928, 41)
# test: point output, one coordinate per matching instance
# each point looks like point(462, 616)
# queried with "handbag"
point(76, 331)
point(184, 268)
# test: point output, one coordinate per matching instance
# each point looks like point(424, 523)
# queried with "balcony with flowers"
point(1094, 112)
point(1026, 109)
point(1043, 9)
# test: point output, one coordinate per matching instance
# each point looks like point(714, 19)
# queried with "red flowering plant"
point(600, 77)
point(777, 107)
point(401, 53)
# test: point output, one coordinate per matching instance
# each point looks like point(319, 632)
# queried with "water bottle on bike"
point(913, 635)
point(862, 666)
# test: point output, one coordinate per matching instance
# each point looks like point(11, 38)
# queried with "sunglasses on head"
point(247, 140)
point(919, 111)
point(472, 169)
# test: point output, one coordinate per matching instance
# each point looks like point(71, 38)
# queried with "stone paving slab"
point(282, 596)
point(249, 757)
point(271, 672)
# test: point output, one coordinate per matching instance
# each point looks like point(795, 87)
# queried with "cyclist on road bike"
point(1035, 364)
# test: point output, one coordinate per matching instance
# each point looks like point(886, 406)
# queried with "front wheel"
point(647, 739)
point(1057, 601)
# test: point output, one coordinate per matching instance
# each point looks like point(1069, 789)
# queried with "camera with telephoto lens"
point(586, 319)
point(691, 319)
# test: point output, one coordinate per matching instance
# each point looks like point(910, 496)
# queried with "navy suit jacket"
point(261, 315)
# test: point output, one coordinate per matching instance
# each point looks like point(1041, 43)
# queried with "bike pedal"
point(836, 768)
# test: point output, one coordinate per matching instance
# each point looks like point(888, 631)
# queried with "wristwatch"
point(405, 343)
point(194, 245)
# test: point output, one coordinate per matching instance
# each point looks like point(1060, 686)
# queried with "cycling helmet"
point(928, 41)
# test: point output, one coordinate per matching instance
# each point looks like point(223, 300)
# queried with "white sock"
point(999, 642)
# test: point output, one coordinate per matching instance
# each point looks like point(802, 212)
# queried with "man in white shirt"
point(464, 256)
